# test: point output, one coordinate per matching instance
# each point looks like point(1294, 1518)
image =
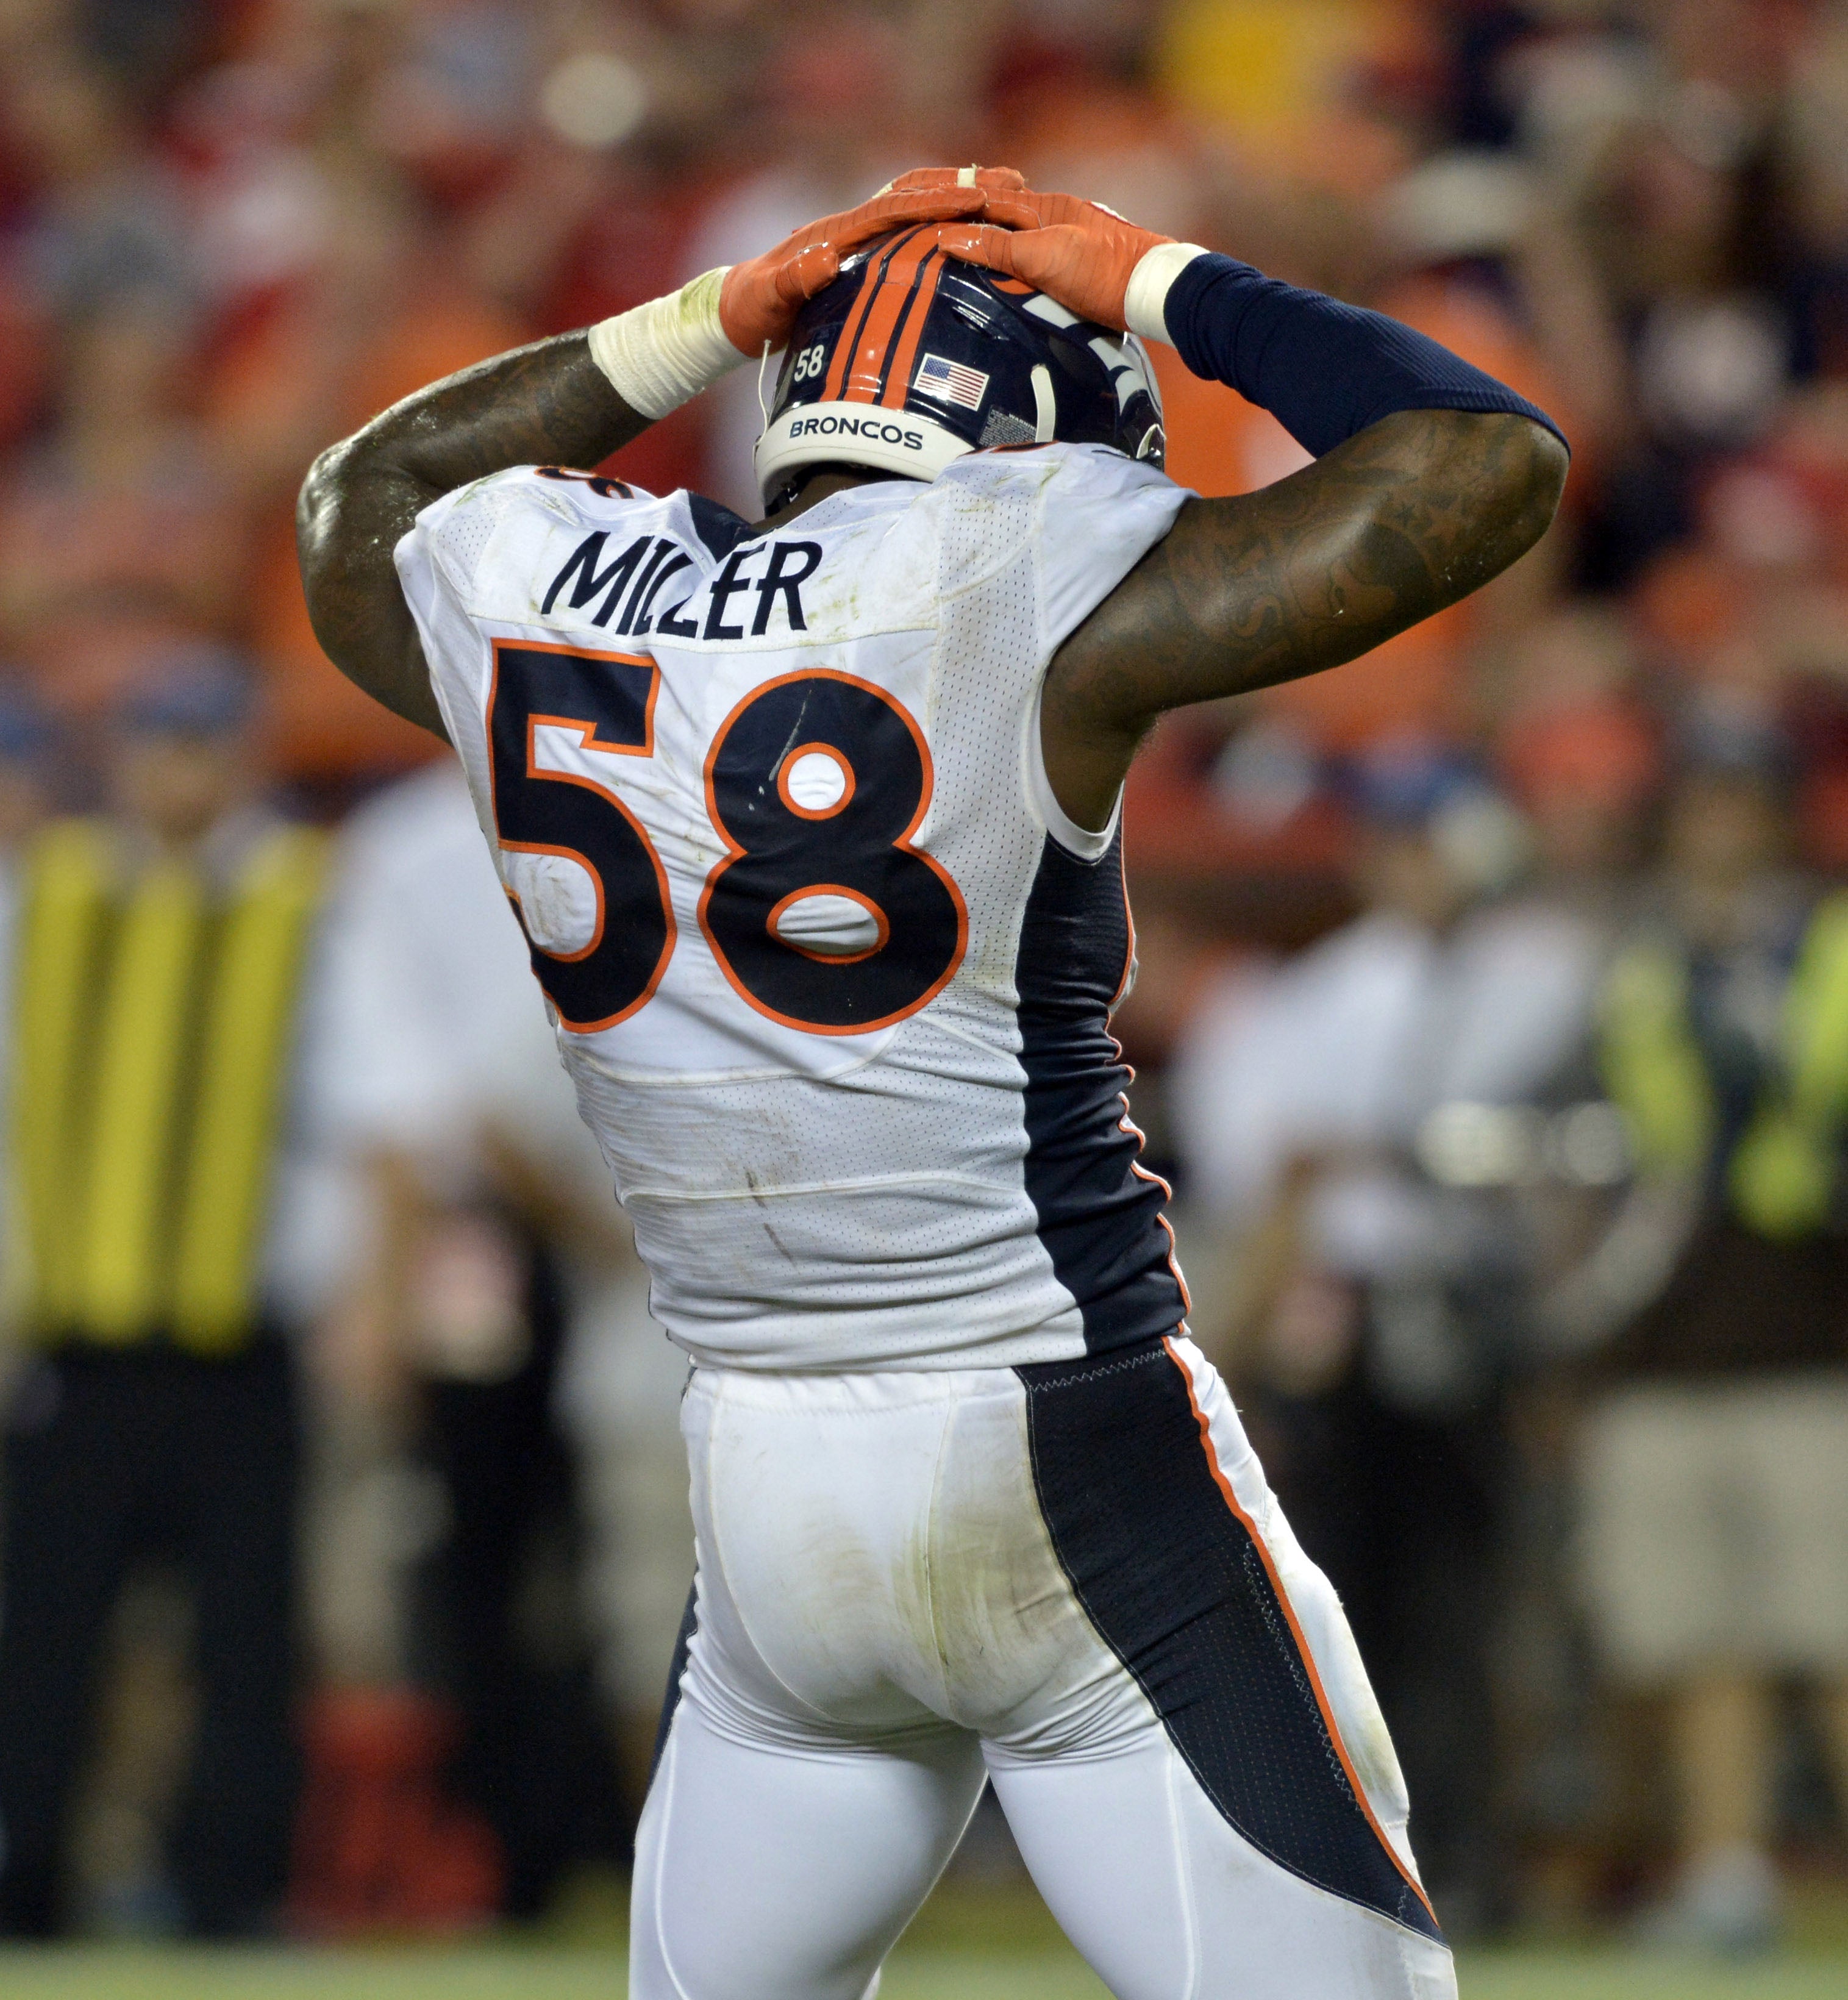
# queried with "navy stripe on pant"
point(1176, 1584)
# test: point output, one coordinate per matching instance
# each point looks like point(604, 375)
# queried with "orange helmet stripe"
point(872, 352)
point(872, 276)
point(898, 374)
point(892, 296)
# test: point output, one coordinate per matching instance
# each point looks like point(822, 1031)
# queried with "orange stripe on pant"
point(1296, 1631)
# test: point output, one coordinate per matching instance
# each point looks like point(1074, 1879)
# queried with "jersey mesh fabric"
point(465, 532)
point(808, 1200)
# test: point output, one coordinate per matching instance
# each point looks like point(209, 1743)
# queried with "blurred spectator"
point(484, 1190)
point(28, 740)
point(26, 745)
point(1352, 1121)
point(1715, 1530)
point(118, 537)
point(172, 1237)
point(1580, 752)
point(106, 223)
point(619, 1401)
point(340, 154)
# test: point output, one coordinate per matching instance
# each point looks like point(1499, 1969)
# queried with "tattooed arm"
point(1410, 515)
point(546, 404)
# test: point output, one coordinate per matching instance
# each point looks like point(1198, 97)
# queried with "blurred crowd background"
point(1492, 1019)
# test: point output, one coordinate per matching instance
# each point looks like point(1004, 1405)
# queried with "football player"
point(811, 824)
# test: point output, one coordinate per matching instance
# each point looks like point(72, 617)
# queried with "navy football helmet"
point(911, 359)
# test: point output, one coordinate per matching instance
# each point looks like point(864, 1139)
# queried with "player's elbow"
point(318, 511)
point(342, 542)
point(1531, 465)
point(346, 524)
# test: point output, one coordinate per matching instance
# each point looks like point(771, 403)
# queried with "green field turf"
point(503, 1973)
point(971, 1942)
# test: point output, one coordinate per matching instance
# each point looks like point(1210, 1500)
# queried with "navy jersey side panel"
point(1100, 1218)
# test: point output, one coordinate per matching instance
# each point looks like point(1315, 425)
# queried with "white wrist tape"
point(1147, 290)
point(663, 353)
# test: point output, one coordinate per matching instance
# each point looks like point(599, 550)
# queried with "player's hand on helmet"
point(991, 180)
point(1074, 251)
point(759, 300)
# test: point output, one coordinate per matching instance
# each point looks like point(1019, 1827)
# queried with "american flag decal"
point(949, 382)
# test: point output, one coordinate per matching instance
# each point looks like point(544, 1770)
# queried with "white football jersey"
point(830, 969)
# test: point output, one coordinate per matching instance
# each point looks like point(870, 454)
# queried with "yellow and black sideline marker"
point(155, 1018)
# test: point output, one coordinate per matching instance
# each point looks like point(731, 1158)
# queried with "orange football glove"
point(759, 300)
point(992, 180)
point(1072, 250)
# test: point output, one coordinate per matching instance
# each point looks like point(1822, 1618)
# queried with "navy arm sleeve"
point(1325, 370)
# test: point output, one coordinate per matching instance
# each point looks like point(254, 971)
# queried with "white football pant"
point(1071, 1579)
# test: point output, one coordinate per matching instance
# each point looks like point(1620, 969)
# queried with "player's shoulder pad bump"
point(985, 505)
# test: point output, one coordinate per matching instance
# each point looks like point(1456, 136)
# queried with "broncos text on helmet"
point(911, 359)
